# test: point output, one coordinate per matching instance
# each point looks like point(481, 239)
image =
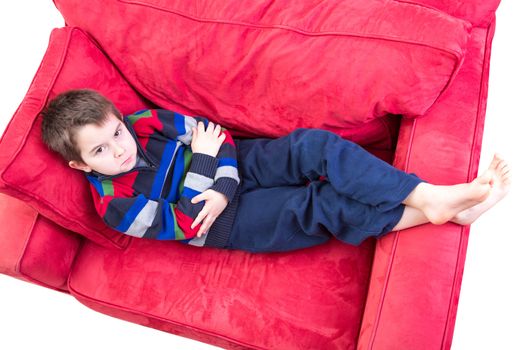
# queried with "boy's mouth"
point(127, 161)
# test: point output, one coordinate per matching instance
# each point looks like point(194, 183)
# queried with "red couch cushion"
point(273, 66)
point(28, 170)
point(307, 299)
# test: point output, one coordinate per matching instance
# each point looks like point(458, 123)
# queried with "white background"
point(491, 308)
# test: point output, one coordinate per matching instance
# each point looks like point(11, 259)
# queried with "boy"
point(159, 174)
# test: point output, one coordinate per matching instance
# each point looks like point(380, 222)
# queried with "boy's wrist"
point(204, 164)
point(226, 186)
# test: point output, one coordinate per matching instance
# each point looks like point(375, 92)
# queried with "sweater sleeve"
point(139, 216)
point(222, 169)
point(227, 176)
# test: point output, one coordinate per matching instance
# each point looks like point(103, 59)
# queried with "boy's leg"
point(295, 217)
point(306, 154)
point(411, 217)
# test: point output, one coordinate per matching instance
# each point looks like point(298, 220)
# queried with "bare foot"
point(440, 204)
point(500, 185)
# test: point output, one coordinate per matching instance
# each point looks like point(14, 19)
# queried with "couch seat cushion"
point(306, 299)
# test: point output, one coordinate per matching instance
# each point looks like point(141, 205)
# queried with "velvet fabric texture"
point(421, 268)
point(283, 64)
point(479, 13)
point(399, 293)
point(307, 299)
point(73, 60)
point(35, 249)
point(31, 172)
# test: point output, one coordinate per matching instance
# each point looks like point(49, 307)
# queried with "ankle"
point(464, 217)
point(418, 198)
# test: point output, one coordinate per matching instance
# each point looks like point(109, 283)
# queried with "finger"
point(203, 227)
point(201, 231)
point(210, 128)
point(217, 130)
point(200, 126)
point(206, 224)
point(199, 198)
point(199, 218)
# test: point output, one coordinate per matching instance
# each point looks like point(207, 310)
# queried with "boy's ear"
point(79, 166)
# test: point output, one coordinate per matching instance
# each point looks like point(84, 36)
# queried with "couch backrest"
point(273, 66)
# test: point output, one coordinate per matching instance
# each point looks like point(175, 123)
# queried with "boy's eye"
point(98, 150)
point(118, 132)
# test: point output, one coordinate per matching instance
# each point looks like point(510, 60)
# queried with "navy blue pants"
point(361, 196)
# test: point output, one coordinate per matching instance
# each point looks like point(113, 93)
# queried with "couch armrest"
point(416, 274)
point(33, 248)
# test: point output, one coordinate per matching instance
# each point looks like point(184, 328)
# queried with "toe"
point(495, 160)
point(486, 177)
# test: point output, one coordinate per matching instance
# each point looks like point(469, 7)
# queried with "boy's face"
point(109, 149)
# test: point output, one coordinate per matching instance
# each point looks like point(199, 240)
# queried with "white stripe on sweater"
point(197, 182)
point(227, 171)
point(189, 122)
point(143, 220)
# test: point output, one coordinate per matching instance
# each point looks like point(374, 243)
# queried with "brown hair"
point(68, 112)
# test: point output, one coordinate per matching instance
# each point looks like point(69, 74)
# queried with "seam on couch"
point(52, 83)
point(462, 238)
point(457, 67)
point(43, 284)
point(383, 292)
point(26, 243)
point(458, 55)
point(392, 256)
point(427, 6)
point(18, 266)
point(477, 133)
point(79, 296)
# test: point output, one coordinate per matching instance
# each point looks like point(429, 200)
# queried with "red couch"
point(405, 79)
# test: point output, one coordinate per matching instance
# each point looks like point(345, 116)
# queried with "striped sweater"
point(153, 200)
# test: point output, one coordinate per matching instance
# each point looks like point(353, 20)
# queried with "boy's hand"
point(207, 141)
point(214, 206)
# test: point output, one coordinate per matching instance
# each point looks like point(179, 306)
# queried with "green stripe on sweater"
point(133, 118)
point(187, 162)
point(179, 235)
point(107, 188)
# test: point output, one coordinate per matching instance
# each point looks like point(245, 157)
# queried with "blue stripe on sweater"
point(97, 184)
point(227, 161)
point(188, 192)
point(179, 123)
point(167, 223)
point(178, 172)
point(158, 184)
point(132, 213)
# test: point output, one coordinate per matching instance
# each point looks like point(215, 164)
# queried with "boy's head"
point(87, 130)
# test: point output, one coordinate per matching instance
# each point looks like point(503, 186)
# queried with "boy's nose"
point(118, 150)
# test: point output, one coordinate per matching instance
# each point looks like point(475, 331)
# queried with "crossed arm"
point(208, 141)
